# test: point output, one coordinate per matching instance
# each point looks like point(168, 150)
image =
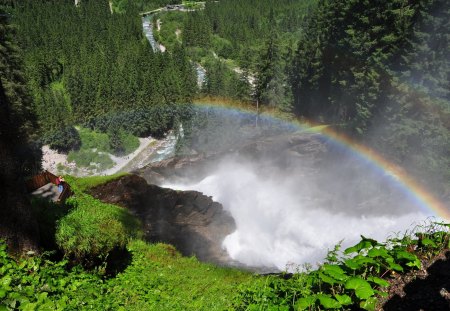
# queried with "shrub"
point(92, 229)
point(94, 140)
point(64, 139)
point(130, 143)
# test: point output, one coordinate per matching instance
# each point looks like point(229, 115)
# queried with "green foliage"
point(196, 30)
point(83, 184)
point(18, 121)
point(90, 159)
point(172, 22)
point(94, 140)
point(129, 142)
point(233, 30)
point(63, 139)
point(121, 6)
point(37, 283)
point(349, 280)
point(158, 278)
point(382, 71)
point(93, 229)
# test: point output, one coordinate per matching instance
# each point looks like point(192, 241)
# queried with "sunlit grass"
point(80, 184)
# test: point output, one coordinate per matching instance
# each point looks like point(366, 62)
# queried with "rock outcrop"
point(189, 220)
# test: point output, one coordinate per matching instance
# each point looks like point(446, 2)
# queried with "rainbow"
point(415, 192)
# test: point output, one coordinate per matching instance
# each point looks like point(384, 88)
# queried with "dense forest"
point(86, 66)
point(377, 71)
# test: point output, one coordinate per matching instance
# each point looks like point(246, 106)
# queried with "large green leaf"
point(428, 242)
point(379, 281)
point(335, 272)
point(378, 252)
point(327, 279)
point(328, 302)
point(413, 260)
point(362, 288)
point(358, 262)
point(343, 299)
point(365, 243)
point(305, 302)
point(394, 266)
point(369, 304)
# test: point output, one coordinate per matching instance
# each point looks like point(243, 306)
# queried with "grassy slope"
point(157, 277)
point(160, 279)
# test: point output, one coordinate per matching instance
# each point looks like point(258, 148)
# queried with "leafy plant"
point(355, 278)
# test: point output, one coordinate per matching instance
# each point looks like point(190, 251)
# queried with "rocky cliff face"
point(189, 220)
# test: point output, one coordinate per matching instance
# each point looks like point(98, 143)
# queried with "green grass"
point(94, 140)
point(92, 228)
point(158, 278)
point(130, 142)
point(80, 185)
point(95, 146)
point(84, 158)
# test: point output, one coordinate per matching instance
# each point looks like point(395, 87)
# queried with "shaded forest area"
point(18, 153)
point(379, 71)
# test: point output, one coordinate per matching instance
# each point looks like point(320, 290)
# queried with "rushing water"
point(288, 213)
point(147, 25)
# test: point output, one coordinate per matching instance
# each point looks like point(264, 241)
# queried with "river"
point(147, 25)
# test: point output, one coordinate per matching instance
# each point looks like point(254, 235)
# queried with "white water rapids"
point(278, 223)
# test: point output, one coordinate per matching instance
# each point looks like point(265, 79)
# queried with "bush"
point(94, 140)
point(130, 143)
point(93, 229)
point(63, 140)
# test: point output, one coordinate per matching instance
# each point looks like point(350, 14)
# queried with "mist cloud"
point(281, 220)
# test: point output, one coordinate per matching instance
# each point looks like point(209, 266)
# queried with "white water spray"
point(281, 224)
